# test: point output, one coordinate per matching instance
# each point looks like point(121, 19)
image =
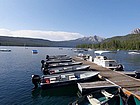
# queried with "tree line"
point(129, 42)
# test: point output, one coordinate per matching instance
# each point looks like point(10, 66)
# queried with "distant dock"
point(129, 84)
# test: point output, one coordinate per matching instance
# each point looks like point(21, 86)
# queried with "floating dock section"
point(88, 87)
point(126, 82)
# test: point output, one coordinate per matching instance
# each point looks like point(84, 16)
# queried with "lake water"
point(17, 66)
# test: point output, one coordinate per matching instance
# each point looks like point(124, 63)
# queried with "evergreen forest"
point(128, 42)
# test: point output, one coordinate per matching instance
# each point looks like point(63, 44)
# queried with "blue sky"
point(68, 19)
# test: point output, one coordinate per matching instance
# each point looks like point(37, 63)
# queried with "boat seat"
point(63, 76)
point(58, 78)
point(71, 77)
point(77, 76)
point(53, 80)
point(93, 101)
point(82, 75)
point(56, 71)
point(106, 94)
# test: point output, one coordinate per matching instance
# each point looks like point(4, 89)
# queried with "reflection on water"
point(55, 96)
point(70, 90)
point(17, 66)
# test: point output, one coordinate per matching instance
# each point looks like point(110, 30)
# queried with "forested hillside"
point(13, 41)
point(18, 41)
point(128, 42)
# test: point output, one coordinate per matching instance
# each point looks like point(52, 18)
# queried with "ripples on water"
point(17, 66)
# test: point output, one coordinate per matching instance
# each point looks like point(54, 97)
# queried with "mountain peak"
point(91, 39)
point(136, 31)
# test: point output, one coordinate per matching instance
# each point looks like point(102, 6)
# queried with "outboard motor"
point(42, 62)
point(137, 74)
point(45, 71)
point(35, 80)
point(47, 57)
point(46, 65)
point(120, 67)
point(105, 58)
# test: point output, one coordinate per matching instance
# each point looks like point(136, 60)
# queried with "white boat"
point(57, 61)
point(101, 52)
point(58, 57)
point(133, 52)
point(5, 50)
point(107, 63)
point(66, 69)
point(62, 79)
point(93, 101)
point(80, 50)
point(54, 65)
point(90, 49)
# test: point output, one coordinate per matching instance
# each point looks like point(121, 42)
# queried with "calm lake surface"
point(17, 66)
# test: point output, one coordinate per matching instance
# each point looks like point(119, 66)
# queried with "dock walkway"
point(124, 81)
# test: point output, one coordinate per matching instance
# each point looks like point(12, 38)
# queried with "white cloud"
point(5, 32)
point(49, 35)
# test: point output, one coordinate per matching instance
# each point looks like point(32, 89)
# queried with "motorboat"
point(108, 63)
point(34, 51)
point(134, 52)
point(58, 57)
point(5, 50)
point(78, 50)
point(101, 52)
point(66, 69)
point(55, 56)
point(107, 96)
point(46, 65)
point(56, 61)
point(62, 79)
point(135, 73)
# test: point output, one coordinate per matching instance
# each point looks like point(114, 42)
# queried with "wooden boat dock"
point(129, 84)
